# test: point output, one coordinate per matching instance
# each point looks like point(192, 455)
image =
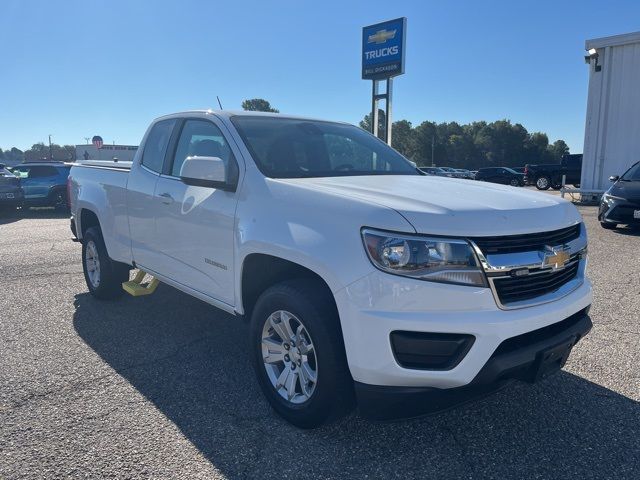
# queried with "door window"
point(203, 138)
point(42, 172)
point(22, 172)
point(155, 147)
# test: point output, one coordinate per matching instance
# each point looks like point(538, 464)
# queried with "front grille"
point(516, 289)
point(527, 242)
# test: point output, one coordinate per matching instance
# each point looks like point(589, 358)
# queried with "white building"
point(612, 131)
point(124, 153)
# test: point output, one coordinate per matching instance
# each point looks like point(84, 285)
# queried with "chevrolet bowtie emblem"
point(381, 36)
point(555, 257)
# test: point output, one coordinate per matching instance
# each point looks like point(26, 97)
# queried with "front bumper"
point(618, 211)
point(11, 198)
point(379, 304)
point(528, 357)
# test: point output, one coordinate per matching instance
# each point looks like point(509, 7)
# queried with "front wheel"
point(104, 276)
point(298, 353)
point(543, 183)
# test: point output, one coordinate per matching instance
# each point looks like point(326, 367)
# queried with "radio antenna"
point(219, 103)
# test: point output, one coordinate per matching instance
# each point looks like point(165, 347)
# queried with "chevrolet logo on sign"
point(381, 36)
point(555, 257)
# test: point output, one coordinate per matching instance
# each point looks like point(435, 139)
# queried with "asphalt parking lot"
point(161, 387)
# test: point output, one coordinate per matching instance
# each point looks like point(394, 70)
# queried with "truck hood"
point(449, 206)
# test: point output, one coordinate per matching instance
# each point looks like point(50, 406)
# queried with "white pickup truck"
point(363, 280)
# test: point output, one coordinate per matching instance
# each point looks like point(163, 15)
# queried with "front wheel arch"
point(260, 271)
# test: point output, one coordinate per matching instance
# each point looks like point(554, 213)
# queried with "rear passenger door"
point(195, 225)
point(39, 180)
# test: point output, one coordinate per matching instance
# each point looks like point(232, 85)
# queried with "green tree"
point(38, 151)
point(365, 123)
point(403, 138)
point(258, 105)
point(425, 134)
point(557, 149)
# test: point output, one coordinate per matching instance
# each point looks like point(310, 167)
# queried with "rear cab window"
point(155, 147)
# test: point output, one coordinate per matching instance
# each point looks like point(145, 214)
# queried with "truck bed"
point(104, 164)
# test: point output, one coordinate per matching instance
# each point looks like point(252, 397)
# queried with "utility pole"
point(50, 150)
point(86, 139)
point(433, 147)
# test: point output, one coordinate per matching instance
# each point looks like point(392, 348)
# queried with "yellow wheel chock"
point(136, 288)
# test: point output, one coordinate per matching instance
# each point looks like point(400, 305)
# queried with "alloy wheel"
point(93, 263)
point(542, 183)
point(289, 357)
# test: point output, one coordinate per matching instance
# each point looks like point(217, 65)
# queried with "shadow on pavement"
point(191, 362)
point(633, 231)
point(13, 215)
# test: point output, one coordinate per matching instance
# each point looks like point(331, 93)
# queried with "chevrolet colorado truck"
point(364, 282)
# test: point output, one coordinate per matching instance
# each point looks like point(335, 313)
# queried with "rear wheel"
point(543, 182)
point(298, 354)
point(58, 199)
point(104, 276)
point(514, 182)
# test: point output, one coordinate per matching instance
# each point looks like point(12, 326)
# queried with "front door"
point(195, 225)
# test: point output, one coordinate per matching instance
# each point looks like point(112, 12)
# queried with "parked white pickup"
point(363, 280)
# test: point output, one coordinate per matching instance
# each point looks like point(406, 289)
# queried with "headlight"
point(445, 260)
point(608, 198)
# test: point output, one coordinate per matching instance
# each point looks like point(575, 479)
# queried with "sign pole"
point(388, 122)
point(383, 48)
point(374, 108)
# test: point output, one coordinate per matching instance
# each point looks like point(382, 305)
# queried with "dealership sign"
point(383, 49)
point(97, 141)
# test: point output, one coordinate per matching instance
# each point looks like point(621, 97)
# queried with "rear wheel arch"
point(88, 219)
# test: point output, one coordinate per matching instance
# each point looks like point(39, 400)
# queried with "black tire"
point(111, 274)
point(58, 199)
point(543, 182)
point(514, 182)
point(333, 394)
point(608, 226)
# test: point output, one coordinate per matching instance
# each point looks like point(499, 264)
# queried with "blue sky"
point(75, 68)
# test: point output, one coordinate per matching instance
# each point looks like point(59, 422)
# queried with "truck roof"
point(241, 113)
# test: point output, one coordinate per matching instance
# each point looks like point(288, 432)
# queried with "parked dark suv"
point(621, 203)
point(502, 175)
point(44, 183)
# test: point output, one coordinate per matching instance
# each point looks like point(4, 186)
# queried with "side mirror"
point(614, 178)
point(209, 172)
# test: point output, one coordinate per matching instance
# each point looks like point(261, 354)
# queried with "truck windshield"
point(295, 148)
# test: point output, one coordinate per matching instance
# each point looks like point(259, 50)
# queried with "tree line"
point(38, 151)
point(472, 146)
